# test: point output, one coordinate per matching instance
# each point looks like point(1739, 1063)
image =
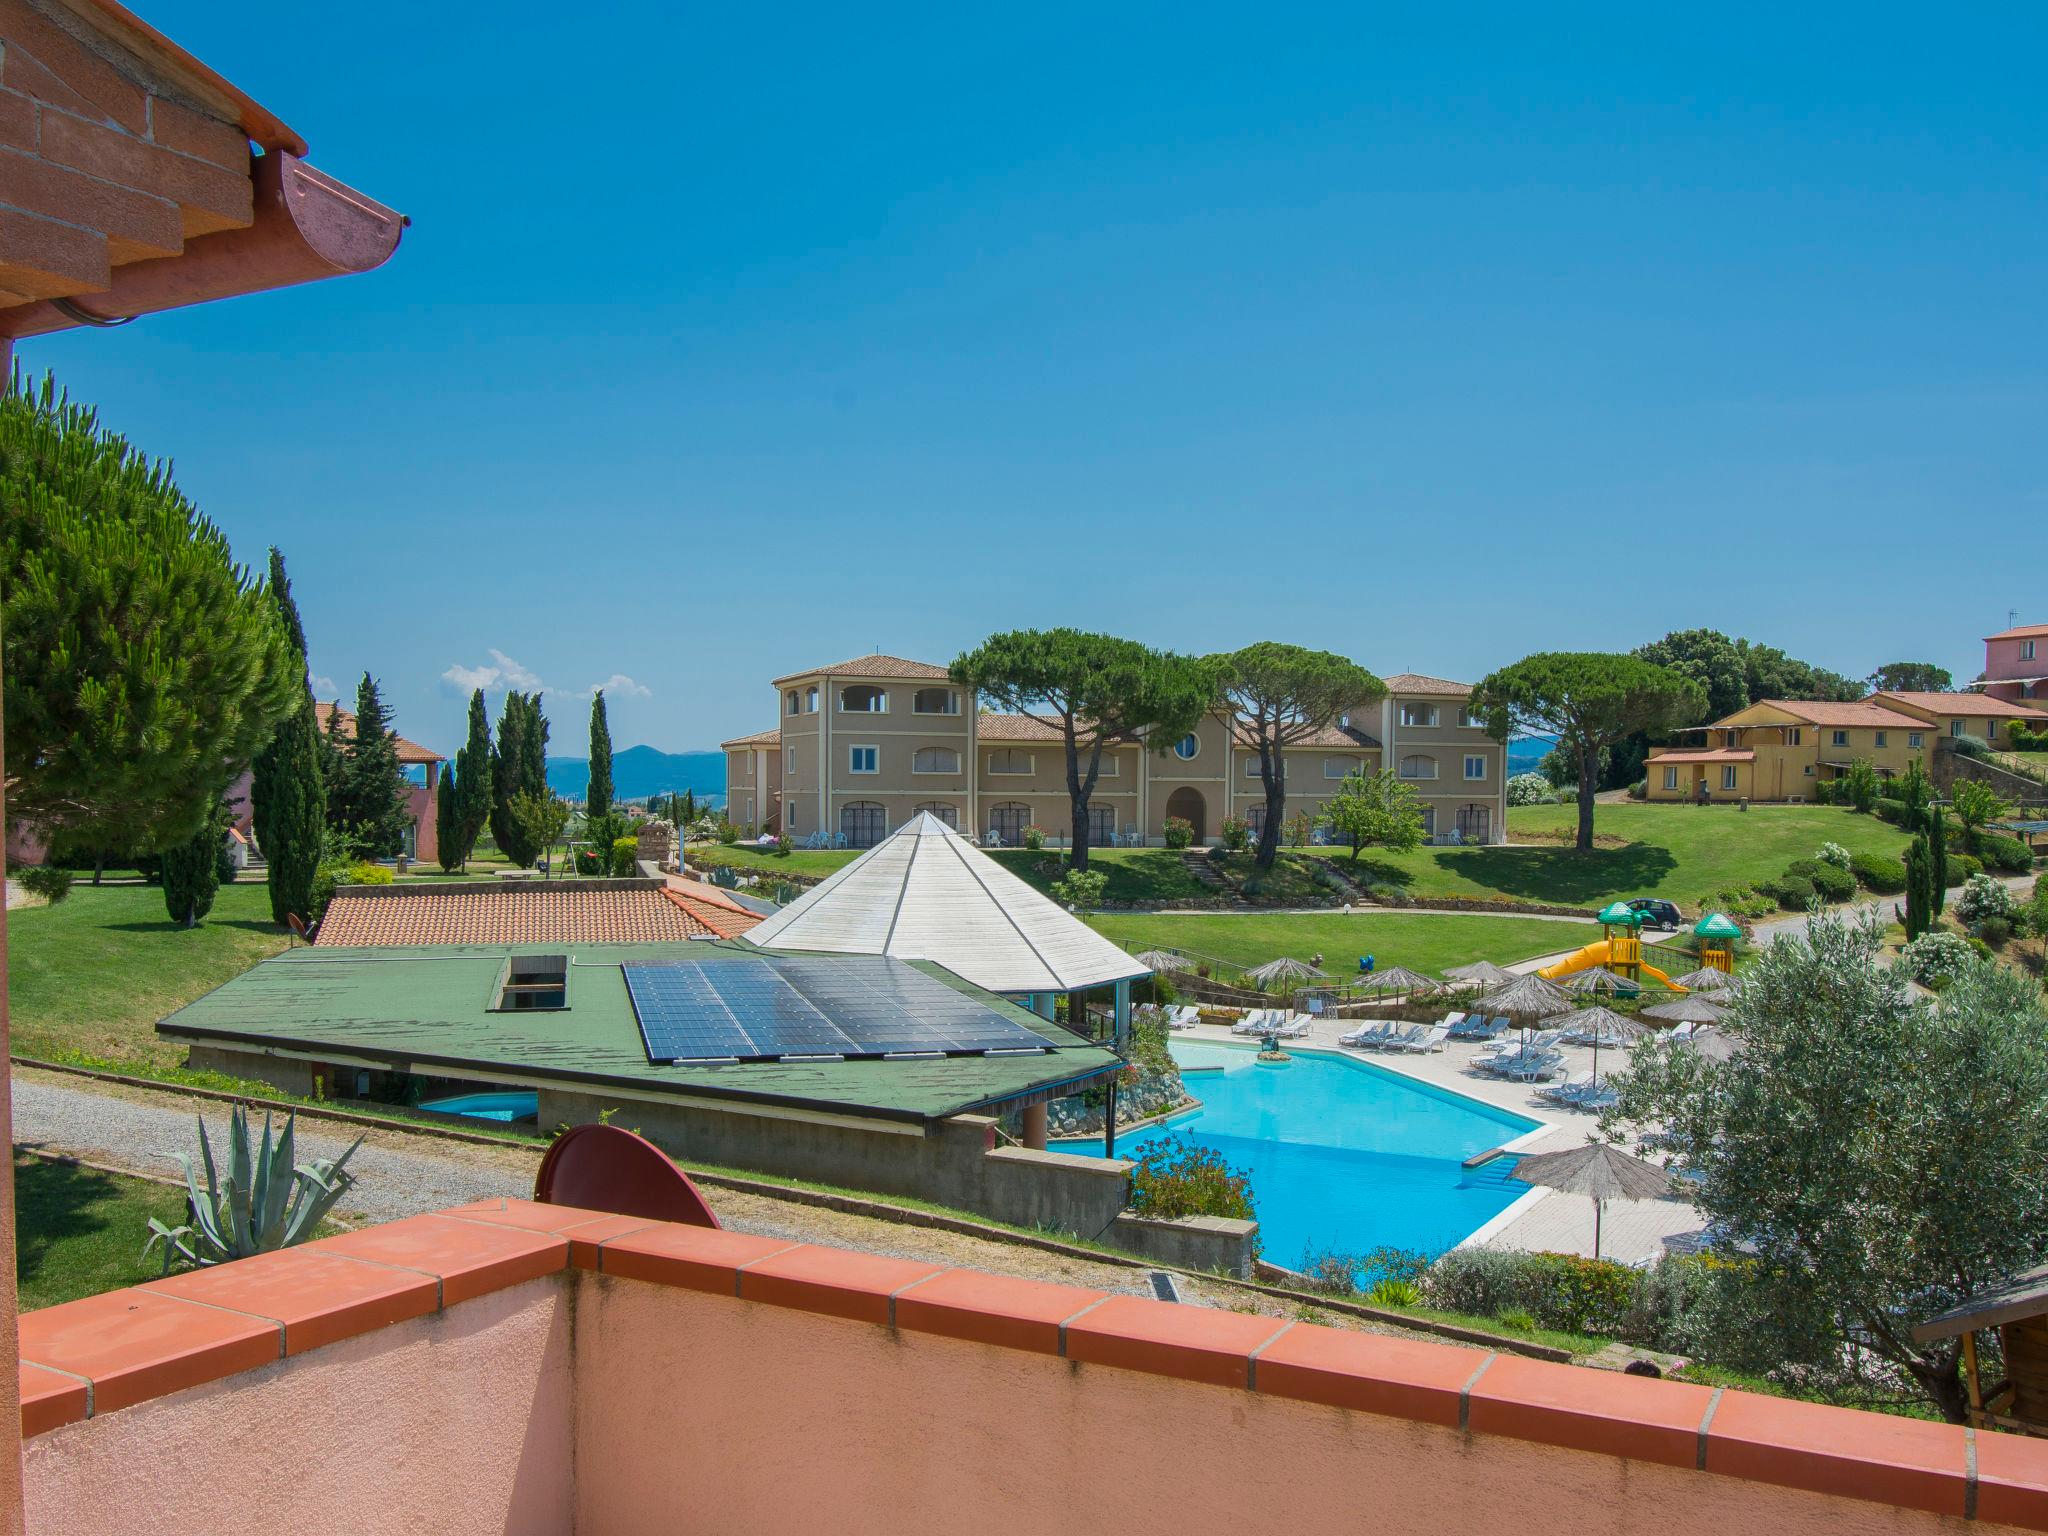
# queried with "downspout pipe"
point(307, 226)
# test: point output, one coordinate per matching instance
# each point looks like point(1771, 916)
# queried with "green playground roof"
point(431, 1010)
point(1621, 912)
point(1717, 925)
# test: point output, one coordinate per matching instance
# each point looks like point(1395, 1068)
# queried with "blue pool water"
point(504, 1107)
point(1342, 1155)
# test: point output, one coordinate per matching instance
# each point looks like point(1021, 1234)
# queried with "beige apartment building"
point(861, 747)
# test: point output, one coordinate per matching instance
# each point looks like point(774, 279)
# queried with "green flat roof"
point(429, 1009)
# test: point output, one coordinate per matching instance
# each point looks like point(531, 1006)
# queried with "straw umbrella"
point(1526, 999)
point(1157, 960)
point(1598, 978)
point(1705, 979)
point(1715, 1044)
point(1286, 968)
point(1605, 1025)
point(1482, 973)
point(1396, 978)
point(1598, 1171)
point(1693, 1008)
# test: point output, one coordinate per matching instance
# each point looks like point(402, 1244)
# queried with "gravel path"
point(131, 1131)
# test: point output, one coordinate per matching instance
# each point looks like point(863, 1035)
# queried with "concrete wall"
point(1193, 1242)
point(457, 1423)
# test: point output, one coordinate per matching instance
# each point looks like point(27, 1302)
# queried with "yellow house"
point(1779, 749)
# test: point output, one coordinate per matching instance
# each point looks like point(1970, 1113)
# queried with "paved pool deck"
point(1634, 1232)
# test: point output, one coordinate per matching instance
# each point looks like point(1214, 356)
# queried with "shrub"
point(1996, 932)
point(1253, 886)
point(363, 872)
point(2021, 739)
point(1530, 789)
point(1549, 1290)
point(1963, 865)
point(1640, 790)
point(1237, 833)
point(1394, 1293)
point(782, 845)
point(589, 862)
point(1937, 957)
point(1969, 746)
point(1034, 837)
point(1174, 1178)
point(1828, 792)
point(1180, 832)
point(1878, 874)
point(1834, 854)
point(2007, 853)
point(47, 881)
point(1982, 896)
point(726, 832)
point(1389, 895)
point(1891, 811)
point(1791, 892)
point(1832, 883)
point(1080, 889)
point(625, 856)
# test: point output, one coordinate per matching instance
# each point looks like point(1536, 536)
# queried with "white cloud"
point(617, 684)
point(501, 673)
point(325, 687)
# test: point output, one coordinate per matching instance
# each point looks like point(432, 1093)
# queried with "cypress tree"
point(1937, 861)
point(448, 819)
point(597, 800)
point(516, 721)
point(473, 776)
point(374, 790)
point(288, 789)
point(1918, 873)
point(191, 870)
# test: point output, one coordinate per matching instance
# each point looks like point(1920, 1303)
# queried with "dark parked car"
point(1658, 914)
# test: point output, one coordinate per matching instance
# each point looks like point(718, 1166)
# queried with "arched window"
point(861, 823)
point(1475, 823)
point(1006, 824)
point(792, 702)
point(1342, 767)
point(1418, 765)
point(935, 701)
point(949, 814)
point(1186, 747)
point(863, 700)
point(935, 760)
point(810, 701)
point(1009, 760)
point(1101, 825)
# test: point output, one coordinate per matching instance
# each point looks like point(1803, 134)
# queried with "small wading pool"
point(501, 1107)
point(1343, 1155)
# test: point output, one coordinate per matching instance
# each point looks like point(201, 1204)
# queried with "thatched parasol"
point(1286, 968)
point(1598, 978)
point(1693, 1008)
point(1157, 960)
point(1598, 1171)
point(1526, 999)
point(1605, 1026)
point(1705, 979)
point(1483, 972)
point(1714, 1044)
point(1396, 978)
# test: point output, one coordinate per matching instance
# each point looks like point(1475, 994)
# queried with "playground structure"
point(1717, 934)
point(1620, 951)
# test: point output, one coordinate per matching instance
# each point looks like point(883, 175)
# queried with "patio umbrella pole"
point(1109, 1126)
point(1599, 1206)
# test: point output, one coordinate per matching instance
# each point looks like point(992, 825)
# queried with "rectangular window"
point(791, 702)
point(810, 701)
point(1341, 767)
point(935, 760)
point(935, 701)
point(1728, 776)
point(1421, 715)
point(1251, 766)
point(1914, 740)
point(2026, 650)
point(1009, 761)
point(531, 982)
point(1671, 778)
point(1841, 738)
point(1470, 721)
point(1112, 767)
point(1955, 727)
point(1881, 736)
point(1809, 770)
point(1475, 766)
point(1797, 735)
point(1417, 766)
point(863, 759)
point(789, 760)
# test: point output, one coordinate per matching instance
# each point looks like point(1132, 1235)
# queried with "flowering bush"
point(1530, 789)
point(1237, 833)
point(1180, 832)
point(1833, 853)
point(1982, 897)
point(1937, 957)
point(1173, 1178)
point(1034, 837)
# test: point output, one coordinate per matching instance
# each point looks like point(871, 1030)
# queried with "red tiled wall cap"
point(105, 1352)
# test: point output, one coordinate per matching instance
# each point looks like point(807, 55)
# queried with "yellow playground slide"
point(1598, 953)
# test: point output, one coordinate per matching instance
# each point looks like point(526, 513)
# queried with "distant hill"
point(1526, 753)
point(638, 772)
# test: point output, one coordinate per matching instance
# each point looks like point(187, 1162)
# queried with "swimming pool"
point(502, 1107)
point(1342, 1154)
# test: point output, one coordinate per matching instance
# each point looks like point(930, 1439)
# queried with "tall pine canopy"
point(144, 668)
point(288, 791)
point(374, 792)
point(597, 800)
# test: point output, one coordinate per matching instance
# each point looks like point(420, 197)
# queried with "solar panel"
point(771, 1008)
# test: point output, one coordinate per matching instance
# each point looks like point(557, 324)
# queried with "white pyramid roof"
point(926, 893)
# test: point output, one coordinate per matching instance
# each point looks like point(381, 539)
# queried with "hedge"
point(1877, 874)
point(2005, 853)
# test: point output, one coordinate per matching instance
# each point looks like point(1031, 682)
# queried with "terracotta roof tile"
point(513, 912)
point(873, 666)
point(1328, 736)
point(768, 738)
point(1830, 712)
point(1418, 682)
point(1965, 704)
point(2023, 632)
point(710, 907)
point(408, 751)
point(1013, 728)
point(1706, 755)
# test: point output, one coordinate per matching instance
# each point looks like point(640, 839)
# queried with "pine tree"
point(191, 870)
point(597, 799)
point(288, 790)
point(473, 776)
point(451, 850)
point(374, 790)
point(518, 767)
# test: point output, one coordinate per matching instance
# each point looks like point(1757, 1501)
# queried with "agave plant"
point(266, 1200)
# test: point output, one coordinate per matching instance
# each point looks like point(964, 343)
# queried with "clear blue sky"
point(730, 340)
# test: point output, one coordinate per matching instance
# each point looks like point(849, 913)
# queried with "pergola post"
point(1035, 1126)
point(1123, 1014)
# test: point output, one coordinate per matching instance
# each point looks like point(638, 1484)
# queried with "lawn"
point(79, 1232)
point(1137, 876)
point(1680, 852)
point(1423, 942)
point(93, 974)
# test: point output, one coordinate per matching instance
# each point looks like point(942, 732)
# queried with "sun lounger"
point(1186, 1016)
point(1402, 1039)
point(1257, 1022)
point(1568, 1090)
point(1292, 1027)
point(1431, 1039)
point(1367, 1034)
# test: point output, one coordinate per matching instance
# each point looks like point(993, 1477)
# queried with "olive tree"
point(1588, 700)
point(1870, 1158)
point(1098, 691)
point(1376, 810)
point(1280, 696)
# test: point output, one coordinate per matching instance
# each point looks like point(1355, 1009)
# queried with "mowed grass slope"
point(92, 975)
point(79, 1232)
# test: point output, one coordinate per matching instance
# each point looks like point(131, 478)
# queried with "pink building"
point(422, 839)
point(2016, 663)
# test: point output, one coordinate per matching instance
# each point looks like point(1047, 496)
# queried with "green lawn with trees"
point(1421, 941)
